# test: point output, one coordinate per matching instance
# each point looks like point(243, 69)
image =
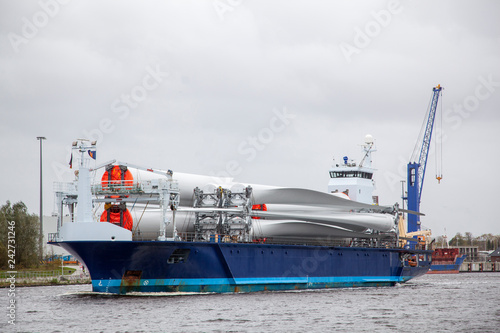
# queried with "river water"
point(466, 302)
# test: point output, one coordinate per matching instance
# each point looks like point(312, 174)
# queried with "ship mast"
point(87, 151)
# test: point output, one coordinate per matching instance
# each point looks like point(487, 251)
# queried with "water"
point(467, 302)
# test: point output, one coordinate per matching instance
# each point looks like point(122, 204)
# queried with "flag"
point(71, 162)
point(92, 153)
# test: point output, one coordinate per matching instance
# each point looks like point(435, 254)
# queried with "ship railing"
point(311, 241)
point(117, 187)
point(223, 238)
point(66, 187)
point(113, 187)
point(52, 237)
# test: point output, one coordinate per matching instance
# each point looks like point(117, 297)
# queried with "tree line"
point(485, 242)
point(16, 223)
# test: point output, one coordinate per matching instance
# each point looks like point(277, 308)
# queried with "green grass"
point(69, 270)
point(40, 271)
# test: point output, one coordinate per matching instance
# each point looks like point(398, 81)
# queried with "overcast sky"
point(267, 91)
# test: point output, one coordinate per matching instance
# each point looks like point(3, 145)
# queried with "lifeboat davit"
point(118, 215)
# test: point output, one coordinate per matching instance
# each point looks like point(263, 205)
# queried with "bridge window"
point(351, 174)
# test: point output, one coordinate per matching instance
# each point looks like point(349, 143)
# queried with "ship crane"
point(416, 167)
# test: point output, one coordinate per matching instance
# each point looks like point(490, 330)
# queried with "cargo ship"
point(217, 235)
point(446, 261)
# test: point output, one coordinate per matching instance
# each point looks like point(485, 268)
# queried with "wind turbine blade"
point(300, 196)
point(210, 209)
point(410, 212)
point(357, 221)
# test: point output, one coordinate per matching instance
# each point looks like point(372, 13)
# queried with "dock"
point(484, 266)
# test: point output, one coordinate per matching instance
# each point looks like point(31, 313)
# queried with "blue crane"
point(416, 170)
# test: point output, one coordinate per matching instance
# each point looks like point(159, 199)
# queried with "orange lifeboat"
point(118, 215)
point(117, 175)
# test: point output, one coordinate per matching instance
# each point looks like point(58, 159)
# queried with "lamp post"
point(40, 239)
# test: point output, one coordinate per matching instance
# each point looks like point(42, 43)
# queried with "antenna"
point(368, 146)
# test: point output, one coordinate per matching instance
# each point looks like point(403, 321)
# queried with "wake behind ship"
point(220, 236)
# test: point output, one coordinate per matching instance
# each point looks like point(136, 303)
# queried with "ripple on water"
point(461, 303)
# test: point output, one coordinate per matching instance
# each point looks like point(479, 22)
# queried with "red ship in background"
point(446, 261)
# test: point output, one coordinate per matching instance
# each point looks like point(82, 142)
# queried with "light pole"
point(40, 239)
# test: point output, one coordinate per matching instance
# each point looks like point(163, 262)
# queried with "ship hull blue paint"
point(451, 267)
point(121, 267)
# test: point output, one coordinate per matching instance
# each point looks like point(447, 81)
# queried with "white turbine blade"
point(210, 209)
point(300, 196)
point(356, 221)
point(299, 229)
point(410, 212)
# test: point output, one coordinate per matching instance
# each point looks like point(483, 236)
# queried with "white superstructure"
point(355, 180)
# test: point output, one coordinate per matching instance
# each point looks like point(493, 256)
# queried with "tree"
point(469, 237)
point(485, 242)
point(458, 240)
point(440, 241)
point(26, 230)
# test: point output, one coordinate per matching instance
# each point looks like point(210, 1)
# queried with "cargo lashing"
point(219, 224)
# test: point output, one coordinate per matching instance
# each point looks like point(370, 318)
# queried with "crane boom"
point(424, 152)
point(416, 170)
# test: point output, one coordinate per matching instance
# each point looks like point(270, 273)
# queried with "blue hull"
point(152, 266)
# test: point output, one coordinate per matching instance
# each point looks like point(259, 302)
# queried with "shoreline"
point(76, 277)
point(53, 282)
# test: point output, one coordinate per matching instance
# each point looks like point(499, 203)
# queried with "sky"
point(268, 92)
